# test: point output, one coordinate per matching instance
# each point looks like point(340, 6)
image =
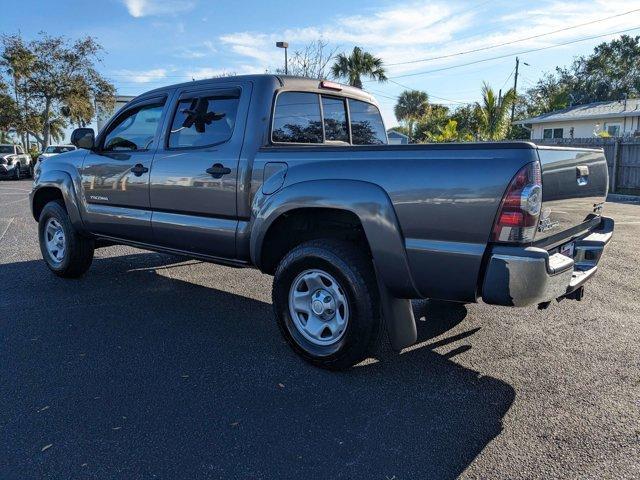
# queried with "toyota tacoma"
point(294, 177)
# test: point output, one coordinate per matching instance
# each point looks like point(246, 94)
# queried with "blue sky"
point(149, 43)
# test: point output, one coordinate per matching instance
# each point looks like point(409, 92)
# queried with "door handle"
point(218, 170)
point(139, 169)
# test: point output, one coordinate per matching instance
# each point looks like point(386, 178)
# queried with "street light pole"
point(284, 45)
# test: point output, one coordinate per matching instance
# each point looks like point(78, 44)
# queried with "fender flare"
point(369, 202)
point(62, 181)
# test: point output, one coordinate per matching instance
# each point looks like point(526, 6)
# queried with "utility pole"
point(515, 90)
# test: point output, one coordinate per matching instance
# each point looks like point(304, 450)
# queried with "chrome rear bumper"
point(522, 276)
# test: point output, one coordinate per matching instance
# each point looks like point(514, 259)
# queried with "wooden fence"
point(623, 159)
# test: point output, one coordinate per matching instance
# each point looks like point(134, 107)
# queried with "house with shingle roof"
point(617, 118)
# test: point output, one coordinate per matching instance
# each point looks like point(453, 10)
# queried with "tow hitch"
point(577, 294)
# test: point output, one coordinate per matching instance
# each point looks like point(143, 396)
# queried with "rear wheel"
point(326, 302)
point(65, 251)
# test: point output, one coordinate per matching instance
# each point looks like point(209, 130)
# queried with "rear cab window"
point(297, 118)
point(366, 124)
point(314, 118)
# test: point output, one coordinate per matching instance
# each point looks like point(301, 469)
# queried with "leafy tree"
point(468, 120)
point(357, 65)
point(431, 123)
point(450, 133)
point(494, 113)
point(611, 72)
point(9, 113)
point(56, 80)
point(311, 61)
point(412, 105)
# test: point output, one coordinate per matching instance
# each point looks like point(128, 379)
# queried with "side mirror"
point(83, 138)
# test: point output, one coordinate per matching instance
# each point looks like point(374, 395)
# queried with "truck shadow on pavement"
point(128, 373)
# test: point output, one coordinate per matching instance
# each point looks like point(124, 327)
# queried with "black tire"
point(16, 172)
point(78, 253)
point(353, 270)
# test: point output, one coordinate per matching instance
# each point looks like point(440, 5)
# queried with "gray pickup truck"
point(294, 177)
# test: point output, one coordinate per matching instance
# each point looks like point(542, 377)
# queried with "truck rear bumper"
point(522, 276)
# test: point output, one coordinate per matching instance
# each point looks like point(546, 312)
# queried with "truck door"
point(195, 171)
point(115, 176)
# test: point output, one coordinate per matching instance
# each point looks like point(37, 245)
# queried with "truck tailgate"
point(574, 187)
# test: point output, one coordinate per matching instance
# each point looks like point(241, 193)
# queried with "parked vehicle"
point(294, 177)
point(52, 150)
point(14, 162)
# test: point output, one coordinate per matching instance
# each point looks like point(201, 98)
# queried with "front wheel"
point(66, 252)
point(326, 302)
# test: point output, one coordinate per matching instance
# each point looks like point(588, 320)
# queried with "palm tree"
point(494, 113)
point(412, 105)
point(57, 129)
point(357, 65)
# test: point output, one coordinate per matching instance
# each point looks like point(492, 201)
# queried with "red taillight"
point(517, 218)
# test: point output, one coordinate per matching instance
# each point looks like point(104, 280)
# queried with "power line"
point(430, 94)
point(505, 82)
point(584, 39)
point(489, 47)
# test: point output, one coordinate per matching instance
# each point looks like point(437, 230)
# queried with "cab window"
point(334, 114)
point(366, 124)
point(205, 120)
point(297, 118)
point(135, 130)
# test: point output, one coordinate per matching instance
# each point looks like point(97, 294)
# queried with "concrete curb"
point(614, 197)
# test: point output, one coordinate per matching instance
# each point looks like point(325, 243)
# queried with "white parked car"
point(52, 150)
point(14, 162)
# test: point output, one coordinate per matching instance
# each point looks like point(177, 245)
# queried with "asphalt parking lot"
point(154, 366)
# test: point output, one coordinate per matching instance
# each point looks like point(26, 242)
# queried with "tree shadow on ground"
point(146, 376)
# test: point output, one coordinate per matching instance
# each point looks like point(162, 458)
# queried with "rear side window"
point(202, 121)
point(297, 118)
point(366, 124)
point(335, 119)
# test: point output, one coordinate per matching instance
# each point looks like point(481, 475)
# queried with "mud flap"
point(398, 317)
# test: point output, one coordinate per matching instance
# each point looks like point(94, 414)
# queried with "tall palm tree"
point(494, 113)
point(356, 65)
point(57, 129)
point(411, 106)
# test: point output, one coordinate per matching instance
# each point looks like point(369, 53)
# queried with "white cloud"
point(206, 49)
point(142, 76)
point(423, 29)
point(144, 8)
point(208, 72)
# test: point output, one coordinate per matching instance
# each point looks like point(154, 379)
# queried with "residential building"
point(617, 118)
point(397, 138)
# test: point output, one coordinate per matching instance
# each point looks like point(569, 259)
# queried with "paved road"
point(156, 367)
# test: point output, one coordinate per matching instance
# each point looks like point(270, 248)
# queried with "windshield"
point(55, 149)
point(6, 148)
